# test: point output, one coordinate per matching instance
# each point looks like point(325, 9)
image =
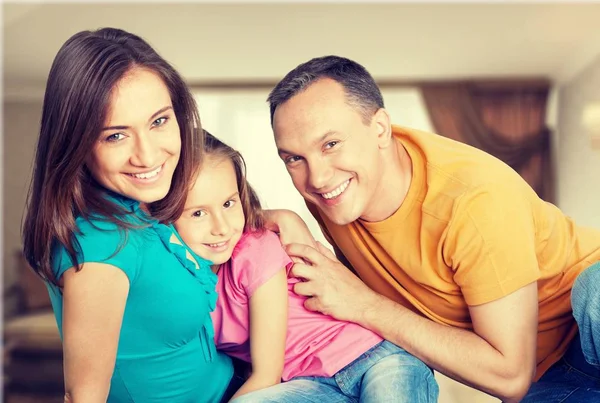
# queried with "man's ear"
point(383, 126)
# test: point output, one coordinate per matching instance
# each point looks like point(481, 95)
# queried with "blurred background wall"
point(524, 74)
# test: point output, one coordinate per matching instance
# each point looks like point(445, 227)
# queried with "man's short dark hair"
point(361, 90)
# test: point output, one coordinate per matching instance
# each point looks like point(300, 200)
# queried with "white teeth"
point(336, 192)
point(148, 175)
point(217, 245)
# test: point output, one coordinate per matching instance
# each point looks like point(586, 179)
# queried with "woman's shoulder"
point(103, 233)
point(100, 240)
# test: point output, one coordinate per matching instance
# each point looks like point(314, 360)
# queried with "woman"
point(120, 136)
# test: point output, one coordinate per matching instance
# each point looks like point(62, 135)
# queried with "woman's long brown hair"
point(81, 79)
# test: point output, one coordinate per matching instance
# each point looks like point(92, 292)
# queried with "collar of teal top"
point(134, 207)
point(129, 204)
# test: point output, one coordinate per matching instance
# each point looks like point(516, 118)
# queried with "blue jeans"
point(385, 373)
point(576, 377)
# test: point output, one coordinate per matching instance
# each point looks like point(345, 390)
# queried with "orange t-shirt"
point(470, 231)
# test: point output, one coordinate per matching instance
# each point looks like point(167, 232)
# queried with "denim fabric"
point(585, 299)
point(385, 373)
point(241, 370)
point(576, 377)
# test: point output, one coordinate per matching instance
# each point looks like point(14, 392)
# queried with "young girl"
point(259, 318)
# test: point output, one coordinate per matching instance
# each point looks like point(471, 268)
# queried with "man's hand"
point(331, 288)
point(290, 227)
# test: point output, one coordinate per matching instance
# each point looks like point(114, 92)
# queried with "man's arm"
point(491, 248)
point(497, 358)
point(290, 227)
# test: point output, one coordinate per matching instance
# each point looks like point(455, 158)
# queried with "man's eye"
point(292, 159)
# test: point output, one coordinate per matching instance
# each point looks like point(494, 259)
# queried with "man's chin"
point(340, 217)
point(339, 214)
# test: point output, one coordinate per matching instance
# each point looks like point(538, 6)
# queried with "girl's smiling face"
point(213, 219)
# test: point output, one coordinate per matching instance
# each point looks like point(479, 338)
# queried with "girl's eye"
point(113, 138)
point(160, 121)
point(198, 213)
point(229, 203)
point(331, 144)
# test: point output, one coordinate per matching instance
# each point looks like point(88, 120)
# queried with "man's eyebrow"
point(327, 134)
point(324, 136)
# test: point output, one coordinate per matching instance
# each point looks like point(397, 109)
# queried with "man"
point(461, 263)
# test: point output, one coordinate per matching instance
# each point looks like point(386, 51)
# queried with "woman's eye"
point(160, 121)
point(229, 203)
point(331, 144)
point(113, 138)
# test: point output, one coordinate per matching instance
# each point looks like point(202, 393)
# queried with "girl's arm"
point(268, 331)
point(93, 305)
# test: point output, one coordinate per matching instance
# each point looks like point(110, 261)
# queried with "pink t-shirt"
point(316, 345)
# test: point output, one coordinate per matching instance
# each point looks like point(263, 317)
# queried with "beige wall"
point(19, 132)
point(577, 164)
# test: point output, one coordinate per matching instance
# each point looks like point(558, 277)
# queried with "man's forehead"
point(313, 121)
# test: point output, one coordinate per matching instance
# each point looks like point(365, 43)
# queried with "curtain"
point(504, 119)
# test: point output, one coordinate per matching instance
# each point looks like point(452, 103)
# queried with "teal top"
point(166, 349)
